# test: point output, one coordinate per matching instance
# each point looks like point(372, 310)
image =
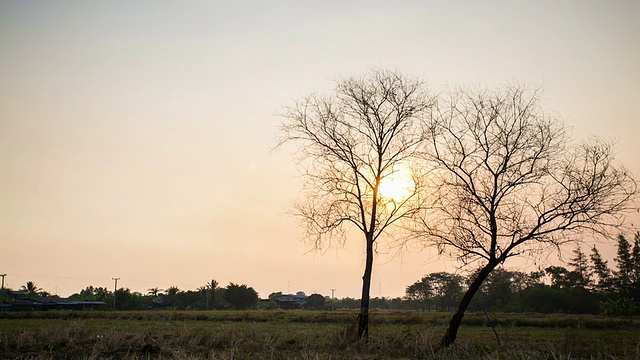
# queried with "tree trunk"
point(363, 317)
point(456, 320)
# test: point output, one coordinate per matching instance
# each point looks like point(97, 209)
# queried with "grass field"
point(310, 335)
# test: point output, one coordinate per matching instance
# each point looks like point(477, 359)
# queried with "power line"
point(2, 292)
point(333, 301)
point(115, 288)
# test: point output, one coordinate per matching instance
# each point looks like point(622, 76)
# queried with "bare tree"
point(351, 142)
point(508, 181)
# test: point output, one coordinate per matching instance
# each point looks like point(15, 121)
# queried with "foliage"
point(581, 274)
point(240, 296)
point(620, 286)
point(619, 307)
point(315, 302)
point(31, 289)
point(210, 290)
point(601, 270)
point(127, 300)
point(625, 275)
point(440, 291)
point(421, 293)
point(91, 293)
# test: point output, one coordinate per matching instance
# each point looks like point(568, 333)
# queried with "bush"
point(619, 307)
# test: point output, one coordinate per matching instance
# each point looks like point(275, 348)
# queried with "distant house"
point(291, 301)
point(15, 294)
point(50, 303)
point(159, 302)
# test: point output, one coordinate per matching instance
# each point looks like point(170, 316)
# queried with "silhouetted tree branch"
point(349, 142)
point(509, 181)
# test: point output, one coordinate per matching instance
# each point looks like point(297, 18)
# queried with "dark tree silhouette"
point(508, 181)
point(210, 293)
point(240, 296)
point(31, 289)
point(635, 258)
point(604, 283)
point(581, 274)
point(315, 302)
point(624, 277)
point(154, 291)
point(421, 293)
point(171, 295)
point(446, 289)
point(350, 142)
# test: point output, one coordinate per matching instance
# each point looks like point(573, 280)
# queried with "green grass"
point(310, 335)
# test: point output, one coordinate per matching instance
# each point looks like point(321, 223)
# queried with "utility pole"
point(115, 288)
point(332, 299)
point(2, 293)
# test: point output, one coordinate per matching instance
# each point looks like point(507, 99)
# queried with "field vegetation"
point(279, 334)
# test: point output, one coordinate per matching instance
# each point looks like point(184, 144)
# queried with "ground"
point(302, 334)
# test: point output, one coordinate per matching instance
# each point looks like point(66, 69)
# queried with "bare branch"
point(509, 181)
point(348, 144)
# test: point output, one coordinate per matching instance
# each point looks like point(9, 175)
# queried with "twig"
point(490, 324)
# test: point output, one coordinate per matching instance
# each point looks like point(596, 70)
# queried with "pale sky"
point(135, 136)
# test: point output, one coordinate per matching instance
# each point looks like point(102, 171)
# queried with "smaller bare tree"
point(509, 182)
point(350, 143)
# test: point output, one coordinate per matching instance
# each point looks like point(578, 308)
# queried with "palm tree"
point(154, 291)
point(210, 289)
point(171, 293)
point(31, 289)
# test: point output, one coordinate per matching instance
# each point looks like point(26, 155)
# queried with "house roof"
point(291, 297)
point(63, 301)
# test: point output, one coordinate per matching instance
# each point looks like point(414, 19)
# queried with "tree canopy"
point(507, 180)
point(369, 129)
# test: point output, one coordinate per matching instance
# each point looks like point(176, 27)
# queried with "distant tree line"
point(208, 297)
point(587, 285)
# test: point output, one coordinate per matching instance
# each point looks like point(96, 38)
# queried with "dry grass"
point(309, 335)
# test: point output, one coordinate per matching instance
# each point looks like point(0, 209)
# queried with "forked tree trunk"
point(363, 317)
point(456, 320)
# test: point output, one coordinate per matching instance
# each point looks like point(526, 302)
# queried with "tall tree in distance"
point(421, 292)
point(625, 275)
point(241, 296)
point(635, 259)
point(352, 144)
point(581, 273)
point(31, 289)
point(601, 269)
point(508, 181)
point(171, 295)
point(211, 288)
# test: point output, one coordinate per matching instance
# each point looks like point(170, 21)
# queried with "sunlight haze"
point(136, 137)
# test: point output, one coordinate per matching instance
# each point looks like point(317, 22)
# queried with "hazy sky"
point(135, 135)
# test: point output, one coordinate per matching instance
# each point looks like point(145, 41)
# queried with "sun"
point(398, 185)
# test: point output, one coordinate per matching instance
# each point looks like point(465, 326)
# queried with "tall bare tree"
point(350, 142)
point(509, 181)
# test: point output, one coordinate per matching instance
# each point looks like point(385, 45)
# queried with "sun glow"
point(397, 186)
